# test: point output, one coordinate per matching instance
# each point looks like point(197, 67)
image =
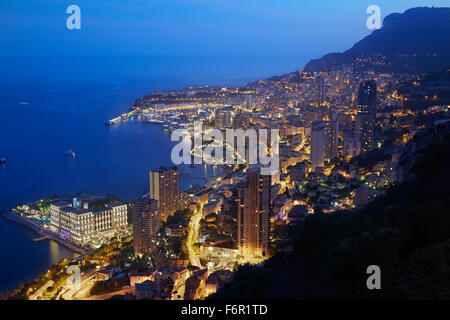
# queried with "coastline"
point(8, 215)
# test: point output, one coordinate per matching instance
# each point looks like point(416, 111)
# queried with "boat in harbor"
point(70, 153)
point(155, 121)
point(2, 161)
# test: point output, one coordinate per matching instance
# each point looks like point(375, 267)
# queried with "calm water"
point(67, 102)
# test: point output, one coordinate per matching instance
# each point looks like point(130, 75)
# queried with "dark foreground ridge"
point(406, 233)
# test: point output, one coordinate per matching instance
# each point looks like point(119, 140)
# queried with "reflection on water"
point(21, 259)
point(58, 252)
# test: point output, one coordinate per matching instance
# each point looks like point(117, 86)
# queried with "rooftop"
point(147, 285)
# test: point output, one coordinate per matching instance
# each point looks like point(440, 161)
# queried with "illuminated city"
point(359, 146)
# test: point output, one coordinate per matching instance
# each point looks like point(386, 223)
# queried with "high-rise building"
point(367, 97)
point(252, 204)
point(241, 121)
point(223, 118)
point(319, 89)
point(364, 127)
point(331, 140)
point(146, 222)
point(249, 101)
point(164, 187)
point(317, 155)
point(366, 113)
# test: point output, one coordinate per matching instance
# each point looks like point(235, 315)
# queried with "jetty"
point(40, 239)
point(43, 233)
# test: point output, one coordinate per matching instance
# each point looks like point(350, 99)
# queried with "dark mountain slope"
point(416, 41)
point(406, 233)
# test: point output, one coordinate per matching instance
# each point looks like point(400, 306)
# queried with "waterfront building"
point(80, 223)
point(252, 205)
point(164, 188)
point(146, 224)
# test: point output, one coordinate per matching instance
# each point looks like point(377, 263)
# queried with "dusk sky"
point(189, 27)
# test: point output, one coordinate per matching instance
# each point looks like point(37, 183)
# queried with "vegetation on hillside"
point(406, 233)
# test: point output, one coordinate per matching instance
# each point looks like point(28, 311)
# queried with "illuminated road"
point(39, 292)
point(83, 289)
point(192, 237)
point(109, 295)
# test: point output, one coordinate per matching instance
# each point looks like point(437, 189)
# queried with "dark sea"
point(51, 104)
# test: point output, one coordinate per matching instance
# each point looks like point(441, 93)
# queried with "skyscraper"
point(164, 187)
point(331, 140)
point(249, 101)
point(252, 203)
point(319, 88)
point(367, 97)
point(366, 113)
point(364, 131)
point(146, 221)
point(317, 155)
point(223, 118)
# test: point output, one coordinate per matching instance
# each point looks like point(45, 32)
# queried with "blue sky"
point(189, 27)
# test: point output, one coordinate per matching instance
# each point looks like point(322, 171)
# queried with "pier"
point(40, 239)
point(43, 233)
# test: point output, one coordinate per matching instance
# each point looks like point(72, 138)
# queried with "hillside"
point(427, 90)
point(415, 41)
point(406, 233)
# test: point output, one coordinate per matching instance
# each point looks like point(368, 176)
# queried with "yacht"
point(2, 161)
point(70, 153)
